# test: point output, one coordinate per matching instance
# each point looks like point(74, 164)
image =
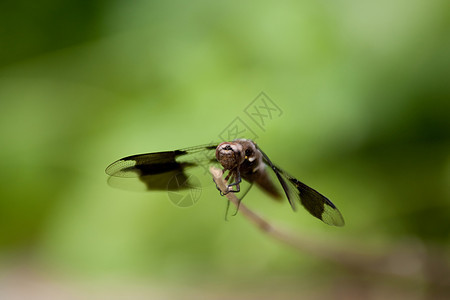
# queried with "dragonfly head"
point(229, 155)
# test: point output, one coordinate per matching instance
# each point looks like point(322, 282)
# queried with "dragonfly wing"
point(155, 171)
point(315, 203)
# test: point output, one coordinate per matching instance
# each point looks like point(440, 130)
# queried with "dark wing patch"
point(155, 170)
point(315, 203)
point(145, 164)
point(154, 182)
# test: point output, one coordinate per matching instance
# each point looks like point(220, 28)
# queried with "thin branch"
point(385, 263)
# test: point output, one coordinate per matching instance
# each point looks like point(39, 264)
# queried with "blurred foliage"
point(364, 89)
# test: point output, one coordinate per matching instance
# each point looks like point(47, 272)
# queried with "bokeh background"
point(364, 89)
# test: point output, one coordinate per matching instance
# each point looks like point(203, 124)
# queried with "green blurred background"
point(364, 88)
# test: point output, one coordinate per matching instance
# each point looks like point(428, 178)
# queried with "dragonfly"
point(242, 159)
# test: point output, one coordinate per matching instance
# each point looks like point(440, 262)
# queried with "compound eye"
point(248, 152)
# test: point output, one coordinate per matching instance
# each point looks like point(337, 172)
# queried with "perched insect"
point(242, 158)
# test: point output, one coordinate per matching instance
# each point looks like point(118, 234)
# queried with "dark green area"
point(365, 95)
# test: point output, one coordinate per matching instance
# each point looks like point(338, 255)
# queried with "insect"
point(241, 158)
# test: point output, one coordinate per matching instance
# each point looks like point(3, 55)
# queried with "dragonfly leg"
point(237, 176)
point(240, 199)
point(231, 176)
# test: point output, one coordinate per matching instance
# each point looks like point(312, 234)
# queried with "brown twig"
point(385, 263)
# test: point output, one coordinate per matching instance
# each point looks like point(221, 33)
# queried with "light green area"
point(364, 90)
